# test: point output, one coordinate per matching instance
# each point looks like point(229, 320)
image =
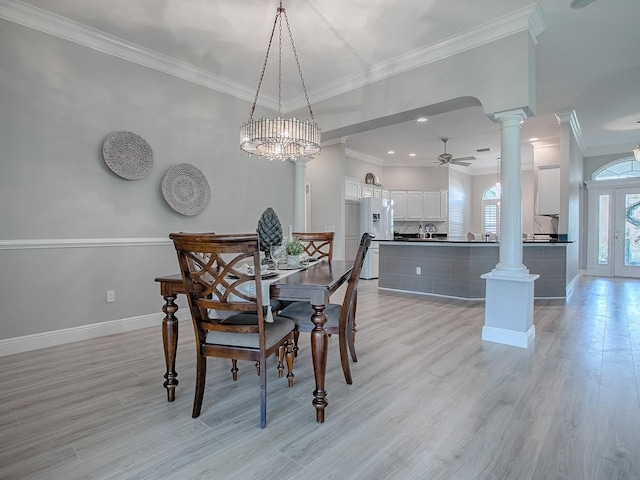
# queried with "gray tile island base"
point(453, 269)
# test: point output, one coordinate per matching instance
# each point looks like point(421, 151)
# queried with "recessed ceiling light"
point(412, 154)
point(422, 119)
point(581, 3)
point(390, 152)
point(533, 139)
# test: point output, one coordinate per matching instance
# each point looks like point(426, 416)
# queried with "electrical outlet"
point(418, 270)
point(111, 296)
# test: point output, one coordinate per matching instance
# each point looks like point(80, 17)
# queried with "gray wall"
point(59, 100)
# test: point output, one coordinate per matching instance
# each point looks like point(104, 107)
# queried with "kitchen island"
point(452, 268)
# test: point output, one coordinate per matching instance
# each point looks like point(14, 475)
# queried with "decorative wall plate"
point(185, 189)
point(127, 155)
point(369, 178)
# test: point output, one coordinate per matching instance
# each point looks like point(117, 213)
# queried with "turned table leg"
point(319, 356)
point(170, 342)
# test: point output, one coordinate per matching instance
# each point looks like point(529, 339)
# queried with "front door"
point(626, 232)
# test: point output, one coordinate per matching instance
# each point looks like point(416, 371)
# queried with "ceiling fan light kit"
point(447, 159)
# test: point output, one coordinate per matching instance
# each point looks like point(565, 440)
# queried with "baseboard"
point(509, 337)
point(27, 343)
point(572, 284)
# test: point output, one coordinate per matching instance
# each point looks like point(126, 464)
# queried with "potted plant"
point(294, 249)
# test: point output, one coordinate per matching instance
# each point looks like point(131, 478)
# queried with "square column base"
point(508, 317)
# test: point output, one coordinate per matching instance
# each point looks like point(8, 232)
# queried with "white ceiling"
point(587, 59)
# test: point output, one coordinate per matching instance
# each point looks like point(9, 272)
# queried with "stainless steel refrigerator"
point(375, 216)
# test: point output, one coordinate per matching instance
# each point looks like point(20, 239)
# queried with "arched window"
point(491, 210)
point(623, 168)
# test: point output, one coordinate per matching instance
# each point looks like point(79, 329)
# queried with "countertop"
point(470, 242)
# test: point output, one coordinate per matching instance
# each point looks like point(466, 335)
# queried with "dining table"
point(314, 284)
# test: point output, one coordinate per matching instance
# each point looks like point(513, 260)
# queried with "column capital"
point(509, 115)
point(302, 162)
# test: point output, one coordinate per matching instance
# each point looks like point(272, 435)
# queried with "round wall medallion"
point(127, 155)
point(185, 189)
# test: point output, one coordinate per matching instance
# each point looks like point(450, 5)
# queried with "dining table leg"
point(319, 343)
point(170, 343)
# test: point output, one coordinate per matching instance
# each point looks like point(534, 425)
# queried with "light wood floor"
point(430, 400)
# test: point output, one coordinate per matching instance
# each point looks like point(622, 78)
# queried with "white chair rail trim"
point(83, 243)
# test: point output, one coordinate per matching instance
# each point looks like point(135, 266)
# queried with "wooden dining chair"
point(316, 244)
point(215, 270)
point(340, 318)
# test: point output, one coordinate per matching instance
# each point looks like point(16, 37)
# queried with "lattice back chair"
point(221, 273)
point(340, 318)
point(317, 244)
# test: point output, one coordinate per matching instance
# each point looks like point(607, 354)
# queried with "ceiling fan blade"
point(464, 158)
point(456, 162)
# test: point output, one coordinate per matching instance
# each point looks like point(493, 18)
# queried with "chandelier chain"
point(280, 65)
point(295, 54)
point(264, 65)
point(280, 138)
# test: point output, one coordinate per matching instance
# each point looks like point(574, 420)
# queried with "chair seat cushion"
point(273, 331)
point(300, 313)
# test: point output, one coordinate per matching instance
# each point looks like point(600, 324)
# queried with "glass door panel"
point(626, 234)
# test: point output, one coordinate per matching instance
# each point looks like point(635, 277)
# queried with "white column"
point(508, 317)
point(299, 197)
point(510, 263)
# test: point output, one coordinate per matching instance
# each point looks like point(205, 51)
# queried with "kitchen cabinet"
point(351, 189)
point(419, 205)
point(444, 204)
point(399, 199)
point(431, 205)
point(435, 205)
point(415, 205)
point(548, 198)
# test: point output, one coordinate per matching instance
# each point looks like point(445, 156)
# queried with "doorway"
point(614, 229)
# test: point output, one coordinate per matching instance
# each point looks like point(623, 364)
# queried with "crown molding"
point(349, 152)
point(56, 25)
point(525, 19)
point(624, 149)
point(570, 117)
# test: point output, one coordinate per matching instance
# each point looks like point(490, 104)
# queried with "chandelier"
point(280, 138)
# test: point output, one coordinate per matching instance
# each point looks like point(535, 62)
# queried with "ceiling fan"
point(447, 159)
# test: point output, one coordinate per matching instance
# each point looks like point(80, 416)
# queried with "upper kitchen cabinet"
point(415, 205)
point(435, 205)
point(420, 205)
point(548, 198)
point(351, 189)
point(399, 199)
